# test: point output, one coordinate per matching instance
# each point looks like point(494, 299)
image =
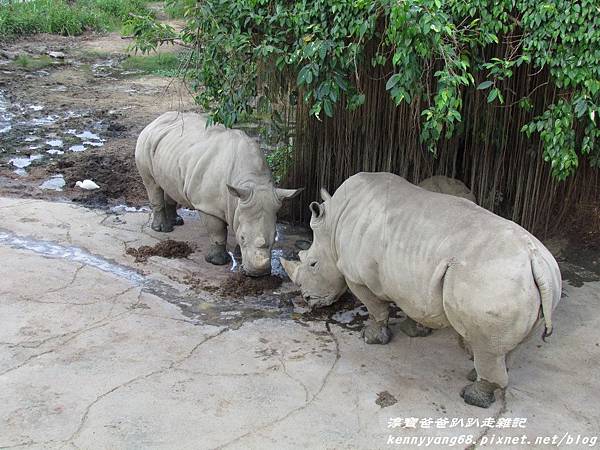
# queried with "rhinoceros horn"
point(291, 268)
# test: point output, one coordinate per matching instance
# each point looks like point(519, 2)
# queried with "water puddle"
point(24, 161)
point(347, 317)
point(5, 115)
point(54, 183)
point(227, 312)
point(26, 124)
point(88, 135)
point(121, 209)
point(55, 143)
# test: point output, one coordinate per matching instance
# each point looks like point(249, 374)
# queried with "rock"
point(59, 55)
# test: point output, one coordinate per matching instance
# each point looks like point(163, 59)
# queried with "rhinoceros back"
point(193, 163)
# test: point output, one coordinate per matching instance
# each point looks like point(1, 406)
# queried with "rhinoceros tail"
point(544, 284)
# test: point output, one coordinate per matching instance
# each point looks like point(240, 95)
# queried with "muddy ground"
point(77, 116)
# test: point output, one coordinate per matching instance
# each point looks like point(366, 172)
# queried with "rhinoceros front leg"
point(217, 233)
point(171, 211)
point(376, 331)
point(414, 329)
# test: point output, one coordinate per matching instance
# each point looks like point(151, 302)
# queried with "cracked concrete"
point(92, 357)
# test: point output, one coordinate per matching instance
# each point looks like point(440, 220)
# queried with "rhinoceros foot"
point(414, 329)
point(374, 333)
point(160, 223)
point(480, 393)
point(217, 255)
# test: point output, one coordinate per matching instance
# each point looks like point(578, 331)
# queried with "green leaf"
point(484, 85)
point(393, 81)
point(492, 95)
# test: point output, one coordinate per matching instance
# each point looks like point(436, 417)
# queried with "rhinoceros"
point(218, 171)
point(446, 185)
point(445, 261)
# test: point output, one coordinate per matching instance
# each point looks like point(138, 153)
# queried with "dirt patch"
point(115, 172)
point(235, 286)
point(167, 249)
point(385, 399)
point(241, 285)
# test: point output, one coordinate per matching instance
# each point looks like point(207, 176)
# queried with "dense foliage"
point(321, 42)
point(65, 17)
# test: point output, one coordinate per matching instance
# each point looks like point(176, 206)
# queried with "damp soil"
point(236, 285)
point(385, 399)
point(166, 249)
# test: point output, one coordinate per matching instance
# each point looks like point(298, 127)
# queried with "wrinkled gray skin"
point(215, 170)
point(443, 260)
point(446, 185)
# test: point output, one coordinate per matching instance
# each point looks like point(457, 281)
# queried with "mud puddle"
point(166, 249)
point(579, 265)
point(236, 285)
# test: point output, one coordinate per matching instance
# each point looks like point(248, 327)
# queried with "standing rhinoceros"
point(218, 171)
point(443, 260)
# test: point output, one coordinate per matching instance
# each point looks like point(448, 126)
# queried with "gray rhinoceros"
point(215, 170)
point(443, 260)
point(447, 185)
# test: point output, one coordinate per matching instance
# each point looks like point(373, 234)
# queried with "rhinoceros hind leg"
point(414, 329)
point(491, 373)
point(156, 196)
point(376, 333)
point(217, 255)
point(472, 375)
point(171, 211)
point(480, 393)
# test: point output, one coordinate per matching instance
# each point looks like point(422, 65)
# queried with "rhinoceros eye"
point(313, 264)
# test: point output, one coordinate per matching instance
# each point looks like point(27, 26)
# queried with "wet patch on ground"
point(385, 399)
point(236, 285)
point(77, 117)
point(348, 312)
point(166, 249)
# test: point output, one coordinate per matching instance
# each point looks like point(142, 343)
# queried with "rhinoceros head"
point(255, 219)
point(317, 273)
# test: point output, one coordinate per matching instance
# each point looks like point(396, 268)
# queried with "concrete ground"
point(100, 352)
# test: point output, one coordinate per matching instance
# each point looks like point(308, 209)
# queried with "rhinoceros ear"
point(317, 210)
point(284, 194)
point(325, 195)
point(291, 268)
point(242, 193)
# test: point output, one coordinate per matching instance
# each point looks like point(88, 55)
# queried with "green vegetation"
point(33, 63)
point(65, 17)
point(280, 161)
point(176, 10)
point(162, 64)
point(433, 51)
